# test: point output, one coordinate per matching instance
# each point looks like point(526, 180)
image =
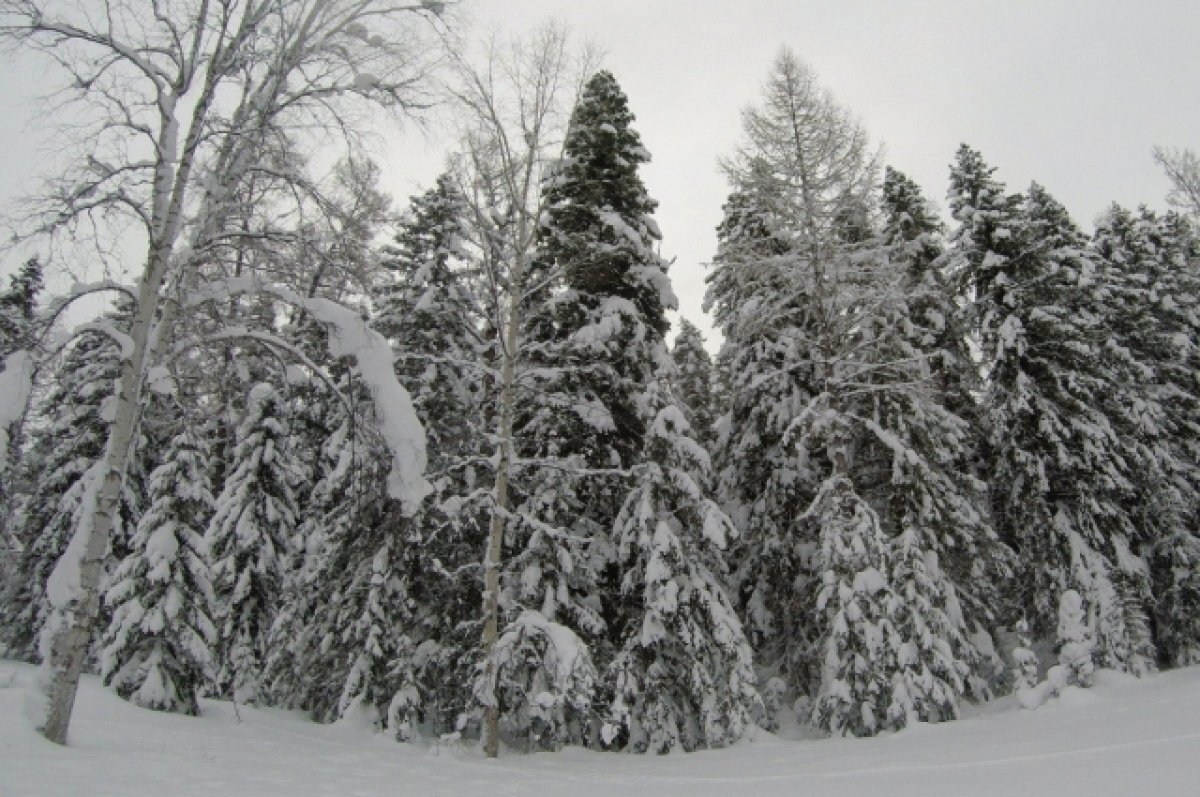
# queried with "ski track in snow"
point(1123, 737)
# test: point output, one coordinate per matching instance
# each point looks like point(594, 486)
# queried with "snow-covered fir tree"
point(251, 538)
point(1155, 333)
point(683, 675)
point(303, 668)
point(591, 339)
point(590, 349)
point(941, 544)
point(429, 313)
point(1074, 639)
point(385, 622)
point(1059, 473)
point(1025, 661)
point(157, 648)
point(545, 679)
point(18, 308)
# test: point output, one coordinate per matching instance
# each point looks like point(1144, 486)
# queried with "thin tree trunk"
point(72, 630)
point(491, 562)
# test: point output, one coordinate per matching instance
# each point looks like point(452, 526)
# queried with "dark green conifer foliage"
point(18, 308)
point(683, 674)
point(598, 234)
point(694, 380)
point(1060, 474)
point(1155, 295)
point(761, 315)
point(18, 311)
point(592, 344)
point(946, 565)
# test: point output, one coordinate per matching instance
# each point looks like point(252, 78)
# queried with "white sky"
point(1071, 94)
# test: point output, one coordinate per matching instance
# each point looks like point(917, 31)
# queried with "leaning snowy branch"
point(351, 336)
point(271, 342)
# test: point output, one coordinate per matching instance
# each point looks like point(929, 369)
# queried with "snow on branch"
point(16, 382)
point(123, 341)
point(351, 336)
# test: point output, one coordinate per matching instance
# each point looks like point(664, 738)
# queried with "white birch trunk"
point(491, 560)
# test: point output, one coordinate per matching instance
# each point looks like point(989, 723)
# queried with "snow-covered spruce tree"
point(1074, 642)
point(157, 647)
point(544, 673)
point(303, 668)
point(693, 386)
point(55, 474)
point(250, 538)
point(760, 478)
point(803, 166)
point(931, 655)
point(1059, 473)
point(594, 336)
point(591, 347)
point(941, 546)
point(683, 674)
point(1156, 333)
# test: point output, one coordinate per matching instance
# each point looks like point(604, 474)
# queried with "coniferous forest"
point(446, 464)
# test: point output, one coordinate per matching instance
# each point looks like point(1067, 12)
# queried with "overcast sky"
point(1071, 94)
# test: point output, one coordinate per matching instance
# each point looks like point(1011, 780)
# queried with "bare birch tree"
point(187, 102)
point(514, 104)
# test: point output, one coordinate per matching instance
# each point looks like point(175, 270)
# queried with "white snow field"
point(1124, 737)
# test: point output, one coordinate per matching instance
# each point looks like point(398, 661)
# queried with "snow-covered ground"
point(1122, 737)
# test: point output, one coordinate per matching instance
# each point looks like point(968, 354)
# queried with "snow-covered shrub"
point(541, 676)
point(1075, 643)
point(1025, 661)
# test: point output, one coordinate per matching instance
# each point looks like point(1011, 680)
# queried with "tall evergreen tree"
point(1060, 475)
point(590, 345)
point(854, 597)
point(683, 676)
point(596, 346)
point(399, 595)
point(432, 316)
point(940, 543)
point(18, 306)
point(1155, 336)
